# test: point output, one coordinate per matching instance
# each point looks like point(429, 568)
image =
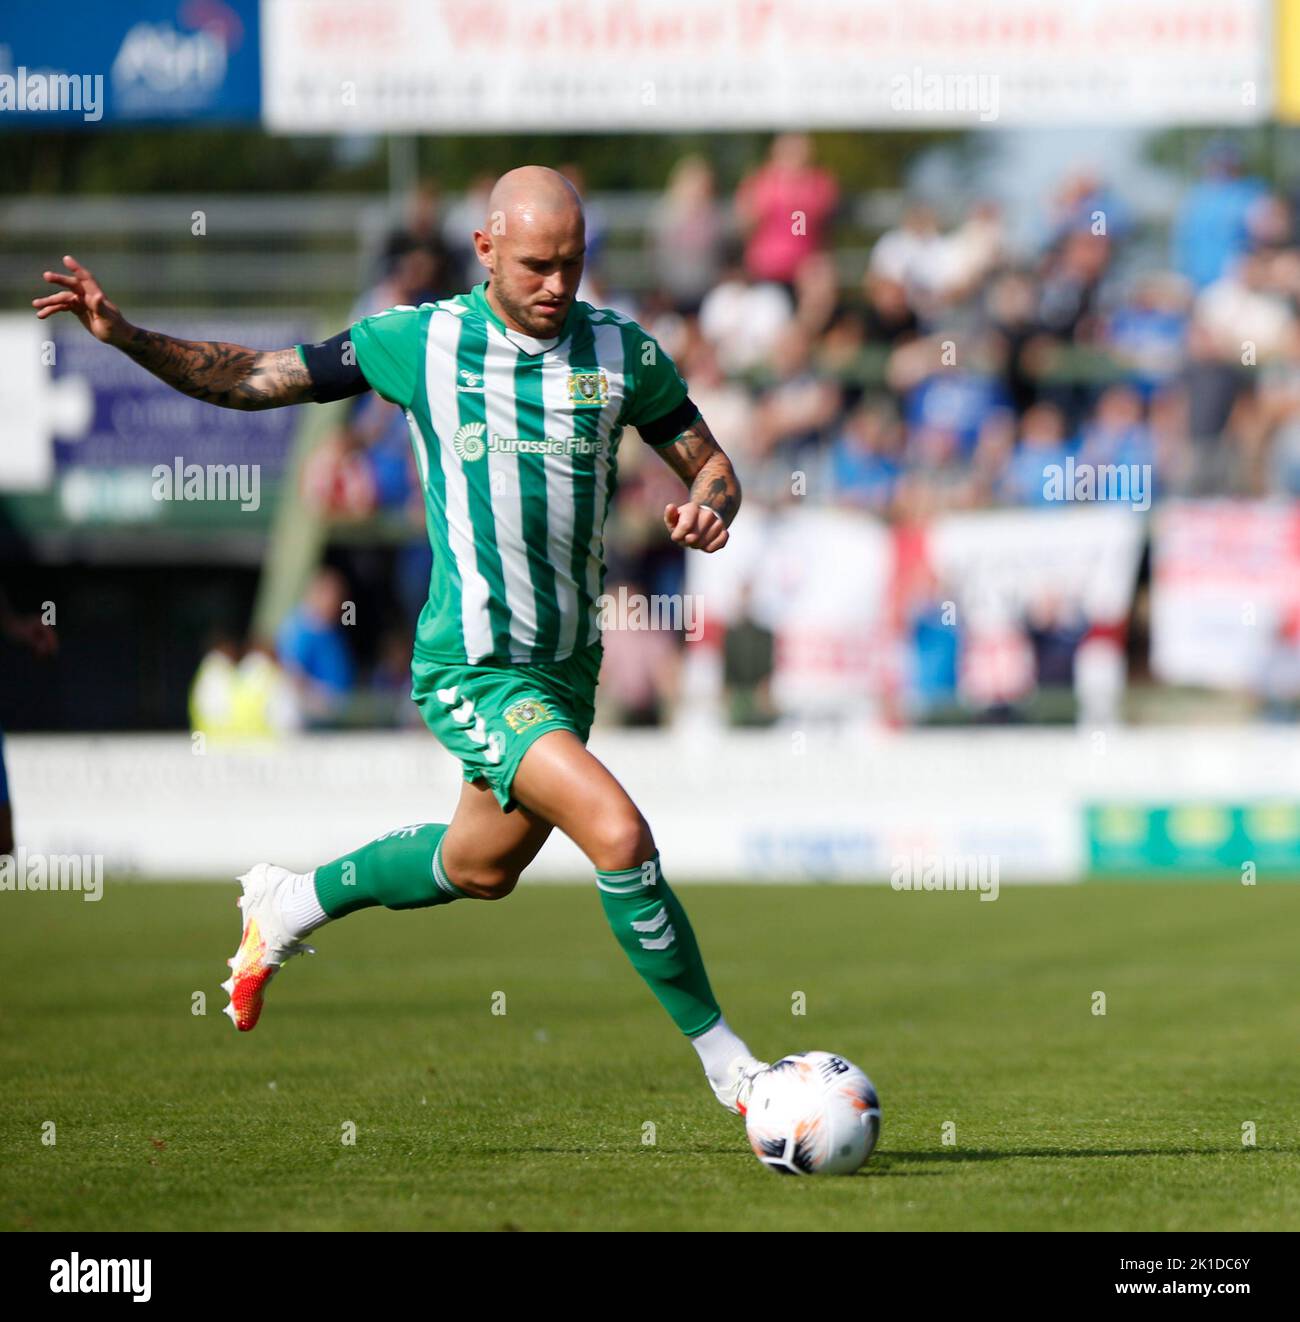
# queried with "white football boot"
point(741, 1073)
point(264, 945)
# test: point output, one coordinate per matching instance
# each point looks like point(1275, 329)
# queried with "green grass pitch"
point(968, 1013)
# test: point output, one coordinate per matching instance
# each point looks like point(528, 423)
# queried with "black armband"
point(671, 425)
point(333, 368)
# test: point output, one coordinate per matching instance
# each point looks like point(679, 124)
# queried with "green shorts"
point(487, 716)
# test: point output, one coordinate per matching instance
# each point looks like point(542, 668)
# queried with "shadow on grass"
point(960, 1155)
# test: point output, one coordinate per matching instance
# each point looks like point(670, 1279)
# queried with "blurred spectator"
point(1042, 443)
point(1278, 684)
point(421, 230)
point(887, 316)
point(1212, 229)
point(743, 318)
point(945, 407)
point(314, 651)
point(865, 457)
point(934, 647)
point(1010, 308)
point(416, 273)
point(748, 657)
point(1148, 333)
point(597, 226)
point(1118, 433)
point(1243, 316)
point(1083, 204)
point(638, 675)
point(794, 411)
point(907, 256)
point(786, 207)
point(689, 232)
point(727, 405)
point(1055, 632)
point(965, 257)
point(236, 696)
point(469, 213)
point(390, 680)
point(1071, 276)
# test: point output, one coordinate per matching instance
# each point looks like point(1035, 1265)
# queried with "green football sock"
point(652, 927)
point(401, 870)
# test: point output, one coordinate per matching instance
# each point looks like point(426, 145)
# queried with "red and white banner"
point(1225, 591)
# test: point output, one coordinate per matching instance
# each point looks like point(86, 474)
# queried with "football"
point(813, 1113)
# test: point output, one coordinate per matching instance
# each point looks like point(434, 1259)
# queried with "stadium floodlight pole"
point(508, 647)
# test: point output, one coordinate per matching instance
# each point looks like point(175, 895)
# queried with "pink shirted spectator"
point(787, 205)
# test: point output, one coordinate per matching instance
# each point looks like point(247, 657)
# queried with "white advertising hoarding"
point(358, 66)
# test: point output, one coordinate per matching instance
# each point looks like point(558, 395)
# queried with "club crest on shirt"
point(523, 714)
point(588, 390)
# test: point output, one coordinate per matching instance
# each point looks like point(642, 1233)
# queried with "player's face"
point(536, 270)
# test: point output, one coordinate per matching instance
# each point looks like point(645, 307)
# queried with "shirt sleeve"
point(388, 352)
point(658, 392)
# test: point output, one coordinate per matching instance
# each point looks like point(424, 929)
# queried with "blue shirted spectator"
point(1041, 446)
point(956, 403)
point(864, 466)
point(313, 649)
point(1212, 228)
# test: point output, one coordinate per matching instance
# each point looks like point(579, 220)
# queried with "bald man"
point(517, 395)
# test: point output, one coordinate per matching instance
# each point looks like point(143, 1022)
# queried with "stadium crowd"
point(950, 373)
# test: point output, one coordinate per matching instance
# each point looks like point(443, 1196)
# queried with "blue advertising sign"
point(132, 419)
point(89, 62)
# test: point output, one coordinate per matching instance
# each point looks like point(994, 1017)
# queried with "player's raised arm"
point(700, 462)
point(225, 374)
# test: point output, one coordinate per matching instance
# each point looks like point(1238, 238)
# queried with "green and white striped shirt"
point(516, 441)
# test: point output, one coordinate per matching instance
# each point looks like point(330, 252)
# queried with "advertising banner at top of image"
point(428, 66)
point(88, 63)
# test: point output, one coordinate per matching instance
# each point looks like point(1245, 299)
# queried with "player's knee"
point(620, 840)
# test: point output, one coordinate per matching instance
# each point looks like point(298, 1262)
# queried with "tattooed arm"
point(714, 491)
point(224, 374)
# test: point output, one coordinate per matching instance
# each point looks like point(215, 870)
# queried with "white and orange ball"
point(813, 1113)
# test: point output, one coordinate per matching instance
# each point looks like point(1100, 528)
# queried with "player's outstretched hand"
point(696, 526)
point(81, 295)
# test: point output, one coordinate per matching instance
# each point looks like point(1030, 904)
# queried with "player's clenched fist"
point(81, 295)
point(696, 526)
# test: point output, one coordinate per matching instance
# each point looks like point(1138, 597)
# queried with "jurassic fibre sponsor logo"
point(472, 441)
